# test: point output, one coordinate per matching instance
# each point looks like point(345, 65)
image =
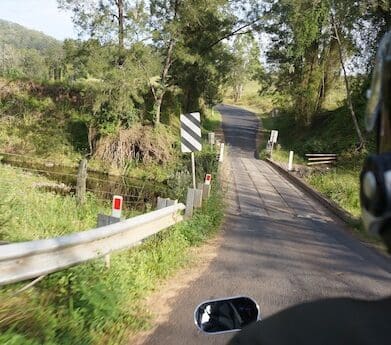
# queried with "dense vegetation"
point(117, 94)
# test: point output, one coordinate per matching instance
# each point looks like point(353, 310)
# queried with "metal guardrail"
point(321, 158)
point(25, 260)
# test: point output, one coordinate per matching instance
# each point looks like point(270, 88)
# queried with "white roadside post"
point(116, 211)
point(191, 137)
point(221, 158)
point(290, 163)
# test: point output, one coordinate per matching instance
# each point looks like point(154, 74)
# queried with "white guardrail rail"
point(26, 260)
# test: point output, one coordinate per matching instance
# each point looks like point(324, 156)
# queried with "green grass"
point(251, 100)
point(212, 121)
point(340, 185)
point(27, 213)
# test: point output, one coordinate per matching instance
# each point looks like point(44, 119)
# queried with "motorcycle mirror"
point(226, 315)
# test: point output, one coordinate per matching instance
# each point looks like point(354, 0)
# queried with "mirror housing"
point(226, 315)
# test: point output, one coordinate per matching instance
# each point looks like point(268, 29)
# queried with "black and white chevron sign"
point(191, 132)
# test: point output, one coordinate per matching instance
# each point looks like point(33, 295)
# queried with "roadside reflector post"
point(117, 206)
point(208, 179)
point(221, 157)
point(290, 163)
point(116, 211)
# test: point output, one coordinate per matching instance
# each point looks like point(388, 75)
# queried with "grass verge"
point(329, 134)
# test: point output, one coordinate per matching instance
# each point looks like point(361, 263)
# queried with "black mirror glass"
point(226, 315)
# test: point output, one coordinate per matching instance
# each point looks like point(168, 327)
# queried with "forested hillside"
point(19, 37)
point(27, 53)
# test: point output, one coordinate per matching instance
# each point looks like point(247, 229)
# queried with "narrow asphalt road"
point(279, 246)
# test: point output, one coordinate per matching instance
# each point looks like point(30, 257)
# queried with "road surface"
point(279, 246)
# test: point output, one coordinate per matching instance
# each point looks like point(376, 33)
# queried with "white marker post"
point(221, 158)
point(290, 163)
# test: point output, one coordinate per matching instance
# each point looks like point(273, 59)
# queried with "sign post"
point(191, 138)
point(193, 169)
point(273, 140)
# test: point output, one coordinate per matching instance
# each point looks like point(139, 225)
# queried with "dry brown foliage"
point(138, 144)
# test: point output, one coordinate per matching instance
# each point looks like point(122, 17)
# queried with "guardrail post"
point(211, 138)
point(171, 202)
point(198, 196)
point(161, 203)
point(190, 202)
point(104, 220)
point(81, 184)
point(290, 163)
point(165, 202)
point(206, 191)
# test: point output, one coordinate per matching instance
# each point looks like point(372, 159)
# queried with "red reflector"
point(117, 204)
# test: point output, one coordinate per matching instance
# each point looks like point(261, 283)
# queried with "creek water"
point(138, 194)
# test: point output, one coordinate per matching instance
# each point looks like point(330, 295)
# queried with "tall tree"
point(247, 65)
point(107, 20)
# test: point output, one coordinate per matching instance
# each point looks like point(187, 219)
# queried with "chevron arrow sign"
point(191, 132)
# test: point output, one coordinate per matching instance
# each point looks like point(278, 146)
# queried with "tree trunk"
point(349, 97)
point(166, 68)
point(92, 133)
point(121, 31)
point(163, 80)
point(158, 108)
